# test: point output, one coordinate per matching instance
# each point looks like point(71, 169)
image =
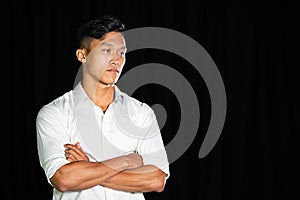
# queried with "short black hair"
point(97, 28)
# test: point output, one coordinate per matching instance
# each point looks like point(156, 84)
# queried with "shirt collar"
point(118, 95)
point(80, 95)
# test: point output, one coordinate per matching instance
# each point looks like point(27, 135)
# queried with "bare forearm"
point(81, 175)
point(146, 178)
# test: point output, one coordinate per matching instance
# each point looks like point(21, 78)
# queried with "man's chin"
point(107, 83)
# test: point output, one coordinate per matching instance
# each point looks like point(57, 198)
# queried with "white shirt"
point(128, 125)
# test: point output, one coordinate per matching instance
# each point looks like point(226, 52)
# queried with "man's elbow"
point(159, 183)
point(59, 182)
point(60, 187)
point(160, 187)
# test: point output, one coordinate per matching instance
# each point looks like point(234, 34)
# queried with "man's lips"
point(113, 70)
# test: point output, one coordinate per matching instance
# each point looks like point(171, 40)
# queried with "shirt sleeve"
point(151, 146)
point(51, 137)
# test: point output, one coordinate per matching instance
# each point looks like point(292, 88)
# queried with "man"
point(95, 142)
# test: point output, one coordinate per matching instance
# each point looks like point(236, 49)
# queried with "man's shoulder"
point(57, 105)
point(134, 103)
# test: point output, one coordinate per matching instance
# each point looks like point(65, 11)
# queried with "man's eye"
point(121, 53)
point(106, 50)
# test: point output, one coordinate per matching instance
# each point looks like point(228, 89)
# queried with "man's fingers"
point(76, 152)
point(70, 157)
point(78, 145)
point(71, 153)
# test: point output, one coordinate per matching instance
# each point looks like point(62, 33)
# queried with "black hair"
point(97, 28)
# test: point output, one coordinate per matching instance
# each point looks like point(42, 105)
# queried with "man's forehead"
point(112, 39)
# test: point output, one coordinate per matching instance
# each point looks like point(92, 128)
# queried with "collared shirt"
point(128, 125)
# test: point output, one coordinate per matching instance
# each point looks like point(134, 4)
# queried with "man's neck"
point(102, 95)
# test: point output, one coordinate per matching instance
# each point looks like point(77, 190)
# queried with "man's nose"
point(115, 60)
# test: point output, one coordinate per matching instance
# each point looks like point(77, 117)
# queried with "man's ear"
point(81, 55)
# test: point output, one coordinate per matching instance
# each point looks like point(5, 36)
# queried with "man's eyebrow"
point(110, 44)
point(106, 44)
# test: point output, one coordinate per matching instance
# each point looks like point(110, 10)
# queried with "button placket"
point(105, 122)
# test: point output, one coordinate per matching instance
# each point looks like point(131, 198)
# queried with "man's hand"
point(74, 152)
point(134, 160)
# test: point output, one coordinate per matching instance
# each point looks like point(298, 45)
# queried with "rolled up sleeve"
point(51, 136)
point(152, 148)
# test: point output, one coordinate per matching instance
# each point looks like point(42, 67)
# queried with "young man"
point(95, 142)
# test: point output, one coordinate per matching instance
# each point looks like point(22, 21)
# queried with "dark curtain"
point(253, 44)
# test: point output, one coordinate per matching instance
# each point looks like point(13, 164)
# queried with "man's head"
point(102, 49)
point(96, 29)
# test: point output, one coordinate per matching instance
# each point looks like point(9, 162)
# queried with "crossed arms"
point(126, 173)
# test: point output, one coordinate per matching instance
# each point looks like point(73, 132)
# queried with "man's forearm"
point(81, 175)
point(146, 178)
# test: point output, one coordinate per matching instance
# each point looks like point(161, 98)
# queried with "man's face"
point(106, 58)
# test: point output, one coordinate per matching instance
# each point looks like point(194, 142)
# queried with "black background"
point(253, 43)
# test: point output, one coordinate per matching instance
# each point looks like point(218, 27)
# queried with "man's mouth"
point(113, 70)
